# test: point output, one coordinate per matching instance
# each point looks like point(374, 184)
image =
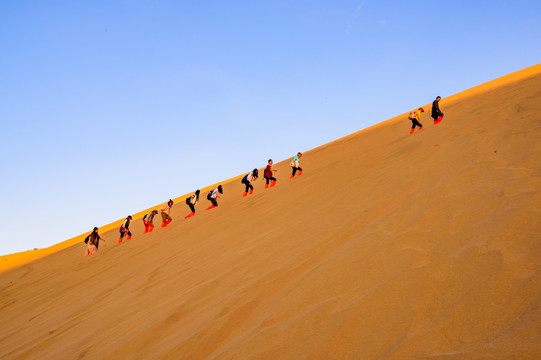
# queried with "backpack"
point(86, 239)
point(188, 200)
point(411, 116)
point(208, 195)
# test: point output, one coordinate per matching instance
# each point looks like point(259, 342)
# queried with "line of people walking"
point(415, 115)
point(94, 238)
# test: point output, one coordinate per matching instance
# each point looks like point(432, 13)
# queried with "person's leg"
point(121, 236)
point(251, 189)
point(192, 208)
point(300, 170)
point(164, 219)
point(214, 204)
point(146, 226)
point(267, 182)
point(150, 227)
point(91, 249)
point(129, 235)
point(414, 124)
point(273, 181)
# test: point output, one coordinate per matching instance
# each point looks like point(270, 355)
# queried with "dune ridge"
point(389, 245)
point(23, 257)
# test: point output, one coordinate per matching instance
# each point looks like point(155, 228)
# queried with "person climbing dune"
point(415, 117)
point(125, 229)
point(165, 210)
point(93, 242)
point(267, 175)
point(295, 165)
point(213, 195)
point(148, 221)
point(437, 115)
point(191, 201)
point(247, 181)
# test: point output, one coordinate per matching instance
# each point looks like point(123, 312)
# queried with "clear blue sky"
point(110, 107)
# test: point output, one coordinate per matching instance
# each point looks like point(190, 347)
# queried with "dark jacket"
point(436, 109)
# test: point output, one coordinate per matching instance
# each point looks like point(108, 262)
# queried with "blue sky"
point(111, 107)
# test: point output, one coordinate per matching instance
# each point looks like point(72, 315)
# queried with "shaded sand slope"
point(388, 246)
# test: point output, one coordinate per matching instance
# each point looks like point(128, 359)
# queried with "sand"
point(389, 246)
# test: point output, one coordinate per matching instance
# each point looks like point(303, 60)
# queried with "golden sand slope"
point(388, 246)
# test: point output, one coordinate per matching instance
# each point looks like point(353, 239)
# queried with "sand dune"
point(389, 245)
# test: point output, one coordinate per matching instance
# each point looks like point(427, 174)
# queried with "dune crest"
point(389, 245)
